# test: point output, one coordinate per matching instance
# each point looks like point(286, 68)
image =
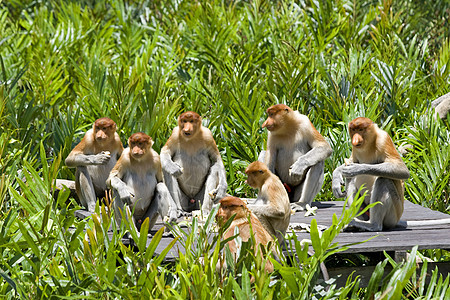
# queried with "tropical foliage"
point(65, 63)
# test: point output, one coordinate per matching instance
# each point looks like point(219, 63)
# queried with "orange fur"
point(192, 164)
point(243, 219)
point(272, 205)
point(94, 157)
point(373, 146)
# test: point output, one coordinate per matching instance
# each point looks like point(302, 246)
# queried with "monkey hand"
point(174, 169)
point(337, 183)
point(298, 169)
point(125, 195)
point(173, 215)
point(101, 158)
point(122, 190)
point(218, 193)
point(352, 170)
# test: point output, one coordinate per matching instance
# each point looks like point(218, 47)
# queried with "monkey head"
point(257, 173)
point(361, 132)
point(230, 206)
point(189, 123)
point(139, 144)
point(276, 116)
point(104, 129)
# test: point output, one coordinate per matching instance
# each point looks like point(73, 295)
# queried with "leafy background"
point(64, 64)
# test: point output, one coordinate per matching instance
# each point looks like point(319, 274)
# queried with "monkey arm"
point(167, 163)
point(270, 211)
point(337, 183)
point(270, 158)
point(115, 182)
point(310, 158)
point(391, 170)
point(80, 159)
point(219, 168)
point(262, 156)
point(162, 190)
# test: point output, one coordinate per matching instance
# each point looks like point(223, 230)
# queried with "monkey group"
point(189, 174)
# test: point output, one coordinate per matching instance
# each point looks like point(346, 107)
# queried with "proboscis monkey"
point(94, 157)
point(272, 204)
point(296, 152)
point(137, 180)
point(243, 219)
point(376, 164)
point(192, 165)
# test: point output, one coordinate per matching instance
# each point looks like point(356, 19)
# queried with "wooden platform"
point(398, 239)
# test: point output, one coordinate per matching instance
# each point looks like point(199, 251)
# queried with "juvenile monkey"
point(94, 157)
point(296, 152)
point(375, 163)
point(272, 204)
point(192, 165)
point(243, 219)
point(137, 180)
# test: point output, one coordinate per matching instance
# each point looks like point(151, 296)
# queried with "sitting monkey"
point(137, 180)
point(376, 164)
point(243, 219)
point(296, 153)
point(94, 157)
point(192, 166)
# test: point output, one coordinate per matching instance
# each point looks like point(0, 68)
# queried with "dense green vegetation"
point(65, 63)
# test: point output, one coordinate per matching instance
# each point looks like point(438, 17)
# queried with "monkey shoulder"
point(86, 146)
point(117, 146)
point(208, 137)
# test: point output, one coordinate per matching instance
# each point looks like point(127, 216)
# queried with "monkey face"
point(222, 215)
point(357, 139)
point(255, 178)
point(104, 129)
point(257, 173)
point(230, 206)
point(103, 133)
point(275, 117)
point(359, 131)
point(139, 144)
point(189, 123)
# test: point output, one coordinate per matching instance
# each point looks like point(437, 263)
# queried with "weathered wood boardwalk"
point(397, 239)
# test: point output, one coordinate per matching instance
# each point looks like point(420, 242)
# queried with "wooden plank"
point(398, 239)
point(341, 274)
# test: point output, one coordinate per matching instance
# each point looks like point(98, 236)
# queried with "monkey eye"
point(261, 171)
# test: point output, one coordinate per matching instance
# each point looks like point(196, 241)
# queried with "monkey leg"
point(309, 188)
point(262, 156)
point(85, 188)
point(166, 206)
point(120, 208)
point(352, 192)
point(210, 191)
point(182, 202)
point(384, 215)
point(160, 206)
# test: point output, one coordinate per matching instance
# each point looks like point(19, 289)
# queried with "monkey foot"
point(185, 214)
point(358, 226)
point(296, 207)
